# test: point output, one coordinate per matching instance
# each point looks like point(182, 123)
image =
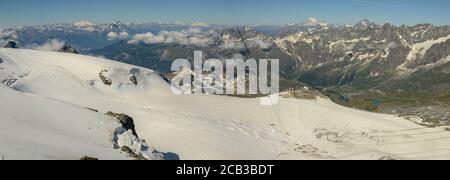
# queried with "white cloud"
point(195, 36)
point(85, 25)
point(180, 23)
point(118, 36)
point(147, 38)
point(199, 24)
point(314, 22)
point(311, 21)
point(192, 36)
point(51, 45)
point(261, 43)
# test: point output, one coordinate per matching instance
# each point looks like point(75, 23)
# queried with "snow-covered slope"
point(34, 127)
point(45, 95)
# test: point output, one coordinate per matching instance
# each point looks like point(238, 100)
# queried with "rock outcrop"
point(126, 121)
point(68, 49)
point(128, 141)
point(87, 158)
point(105, 79)
point(11, 44)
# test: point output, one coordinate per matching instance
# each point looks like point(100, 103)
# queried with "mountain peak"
point(311, 21)
point(85, 25)
point(314, 22)
point(365, 24)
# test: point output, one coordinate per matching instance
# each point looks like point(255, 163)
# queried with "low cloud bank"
point(192, 36)
point(85, 25)
point(112, 36)
point(51, 45)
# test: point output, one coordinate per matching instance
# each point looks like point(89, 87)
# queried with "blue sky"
point(31, 12)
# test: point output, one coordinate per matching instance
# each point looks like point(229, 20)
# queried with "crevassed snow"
point(42, 118)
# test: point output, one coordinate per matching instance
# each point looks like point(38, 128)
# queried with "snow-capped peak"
point(85, 25)
point(364, 24)
point(311, 21)
point(314, 22)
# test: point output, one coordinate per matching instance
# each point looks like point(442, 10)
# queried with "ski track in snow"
point(52, 91)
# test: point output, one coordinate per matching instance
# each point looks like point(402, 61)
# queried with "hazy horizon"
point(398, 12)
